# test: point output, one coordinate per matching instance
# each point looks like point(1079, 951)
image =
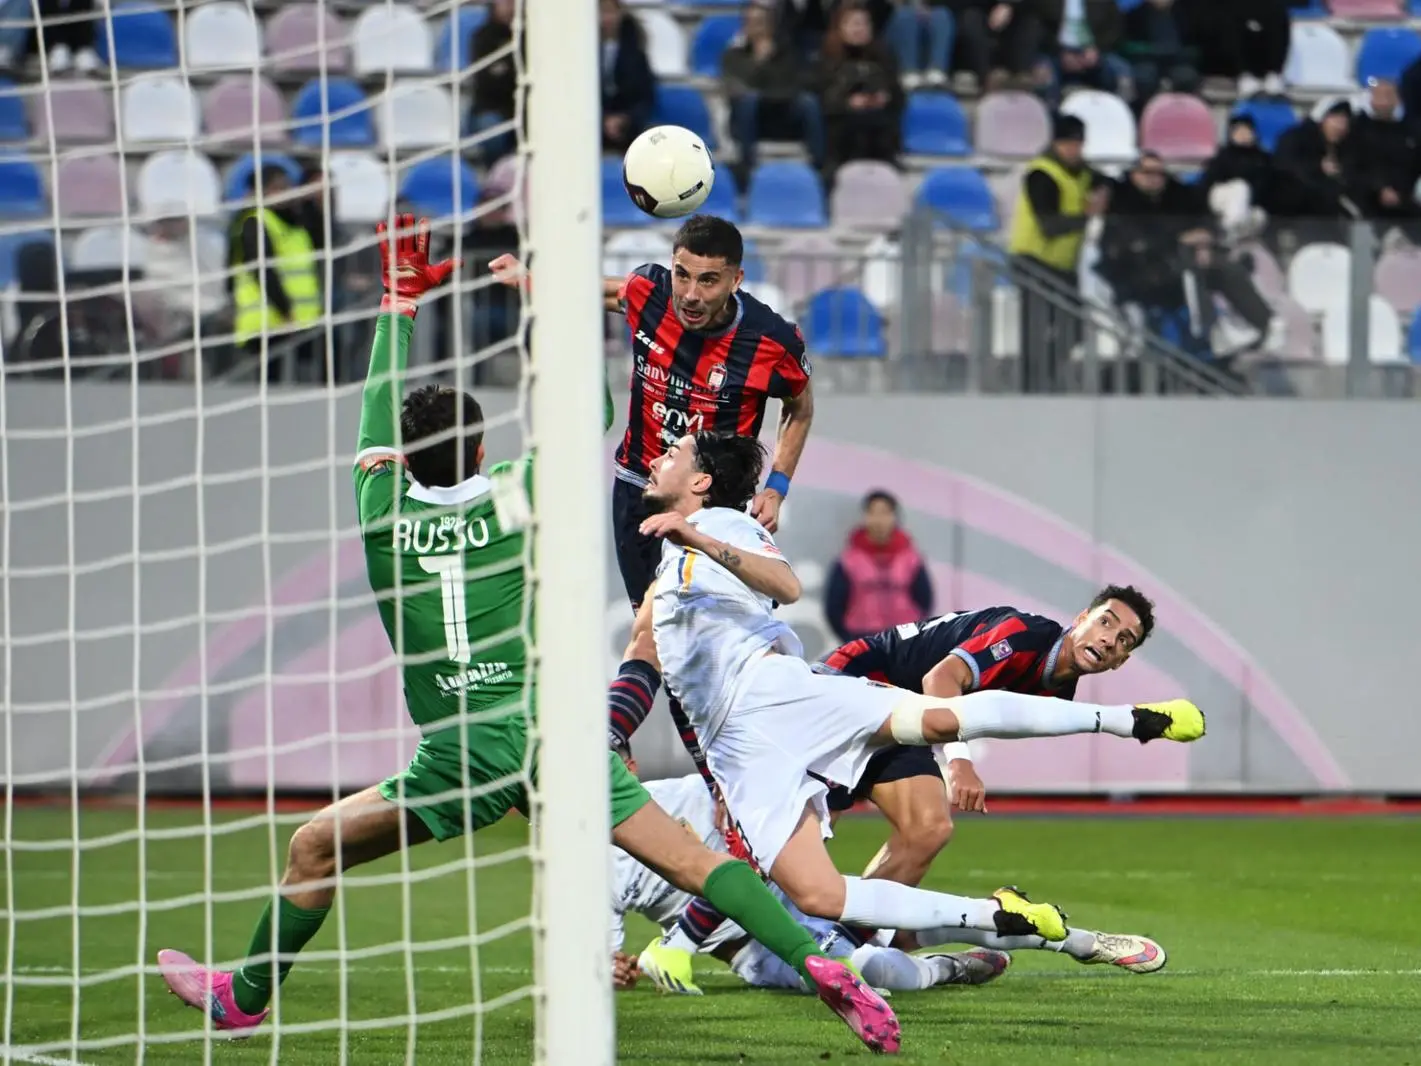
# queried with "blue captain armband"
point(778, 482)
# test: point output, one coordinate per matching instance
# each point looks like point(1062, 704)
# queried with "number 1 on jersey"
point(450, 569)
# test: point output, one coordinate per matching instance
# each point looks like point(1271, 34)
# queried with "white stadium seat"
point(773, 297)
point(629, 249)
point(1318, 58)
point(1109, 125)
point(179, 182)
point(392, 38)
point(1006, 322)
point(665, 43)
point(157, 109)
point(103, 248)
point(882, 272)
point(360, 187)
point(1320, 276)
point(1384, 341)
point(221, 35)
point(417, 115)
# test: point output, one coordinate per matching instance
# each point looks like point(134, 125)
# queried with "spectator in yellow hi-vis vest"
point(1059, 196)
point(276, 287)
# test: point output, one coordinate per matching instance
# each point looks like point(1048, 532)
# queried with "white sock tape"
point(906, 722)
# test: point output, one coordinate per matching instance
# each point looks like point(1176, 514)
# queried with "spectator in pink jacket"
point(879, 580)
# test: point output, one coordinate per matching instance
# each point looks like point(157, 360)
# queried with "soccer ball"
point(668, 172)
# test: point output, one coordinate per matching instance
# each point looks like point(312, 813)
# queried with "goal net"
point(193, 662)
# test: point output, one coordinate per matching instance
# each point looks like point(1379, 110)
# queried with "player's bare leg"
point(356, 830)
point(653, 838)
point(918, 810)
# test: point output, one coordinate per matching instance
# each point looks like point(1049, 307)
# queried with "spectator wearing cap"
point(879, 580)
point(1389, 161)
point(1059, 196)
point(1318, 162)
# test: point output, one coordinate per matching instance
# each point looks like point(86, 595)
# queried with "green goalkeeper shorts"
point(433, 785)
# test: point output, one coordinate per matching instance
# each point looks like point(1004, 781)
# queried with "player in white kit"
point(774, 731)
point(636, 889)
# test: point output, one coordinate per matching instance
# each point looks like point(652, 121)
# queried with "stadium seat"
point(360, 187)
point(1308, 9)
point(350, 122)
point(753, 262)
point(1013, 125)
point(1178, 127)
point(1318, 58)
point(109, 248)
point(882, 272)
point(724, 198)
point(1109, 125)
point(417, 115)
point(227, 110)
point(665, 42)
point(21, 188)
point(617, 207)
point(1398, 279)
point(1006, 188)
point(1299, 331)
point(737, 4)
point(773, 297)
point(681, 105)
point(1268, 276)
point(442, 187)
point(1320, 276)
point(935, 124)
point(1272, 118)
point(221, 35)
point(713, 36)
point(451, 48)
point(142, 37)
point(868, 195)
point(962, 196)
point(786, 193)
point(1384, 341)
point(815, 262)
point(158, 108)
point(393, 38)
point(843, 322)
point(14, 124)
point(10, 245)
point(300, 35)
point(1413, 340)
point(179, 182)
point(1386, 52)
point(1366, 9)
point(89, 187)
point(962, 272)
point(237, 188)
point(626, 251)
point(78, 112)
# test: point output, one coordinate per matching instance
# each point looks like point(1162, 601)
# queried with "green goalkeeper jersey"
point(447, 565)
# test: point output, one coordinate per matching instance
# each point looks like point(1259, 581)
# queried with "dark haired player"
point(444, 550)
point(775, 731)
point(706, 356)
point(951, 655)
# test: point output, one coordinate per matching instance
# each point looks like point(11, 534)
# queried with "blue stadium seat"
point(617, 206)
point(345, 102)
point(21, 188)
point(736, 4)
point(959, 277)
point(143, 36)
point(753, 262)
point(1413, 339)
point(724, 198)
point(14, 124)
point(712, 37)
point(441, 187)
point(451, 50)
point(681, 105)
point(962, 195)
point(843, 322)
point(1385, 52)
point(10, 245)
point(238, 185)
point(1313, 9)
point(1273, 118)
point(935, 124)
point(786, 193)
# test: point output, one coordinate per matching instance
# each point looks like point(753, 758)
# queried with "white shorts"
point(785, 723)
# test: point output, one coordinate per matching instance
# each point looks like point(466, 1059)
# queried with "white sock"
point(1011, 715)
point(679, 940)
point(886, 904)
point(1079, 943)
point(892, 969)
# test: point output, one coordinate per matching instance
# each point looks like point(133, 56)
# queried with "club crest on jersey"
point(1001, 650)
point(715, 377)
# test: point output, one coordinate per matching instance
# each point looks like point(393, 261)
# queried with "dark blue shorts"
point(637, 556)
point(891, 764)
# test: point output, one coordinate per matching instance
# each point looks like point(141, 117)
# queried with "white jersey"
point(708, 624)
point(639, 890)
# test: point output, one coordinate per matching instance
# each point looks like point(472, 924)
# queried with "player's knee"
point(821, 898)
point(311, 855)
point(927, 834)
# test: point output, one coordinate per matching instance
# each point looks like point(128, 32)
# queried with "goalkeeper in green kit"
point(444, 550)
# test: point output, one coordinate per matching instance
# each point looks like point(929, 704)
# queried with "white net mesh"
point(192, 658)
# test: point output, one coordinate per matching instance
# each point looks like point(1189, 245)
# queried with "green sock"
point(738, 893)
point(295, 926)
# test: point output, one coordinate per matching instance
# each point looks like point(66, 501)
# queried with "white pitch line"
point(10, 1053)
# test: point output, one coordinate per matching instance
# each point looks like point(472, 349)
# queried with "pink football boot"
point(209, 991)
point(865, 1011)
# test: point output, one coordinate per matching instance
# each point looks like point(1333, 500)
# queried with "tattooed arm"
point(762, 568)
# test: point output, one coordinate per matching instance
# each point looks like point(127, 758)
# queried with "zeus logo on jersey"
point(650, 344)
point(447, 533)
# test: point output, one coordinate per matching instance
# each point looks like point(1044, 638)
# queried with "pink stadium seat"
point(1006, 187)
point(293, 40)
point(868, 195)
point(1012, 124)
point(1398, 279)
point(809, 263)
point(1366, 9)
point(950, 324)
point(1300, 338)
point(228, 107)
point(89, 187)
point(1178, 126)
point(82, 113)
point(1267, 274)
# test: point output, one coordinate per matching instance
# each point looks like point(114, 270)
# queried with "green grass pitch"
point(1291, 941)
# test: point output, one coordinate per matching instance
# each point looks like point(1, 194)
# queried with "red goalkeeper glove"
point(405, 269)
